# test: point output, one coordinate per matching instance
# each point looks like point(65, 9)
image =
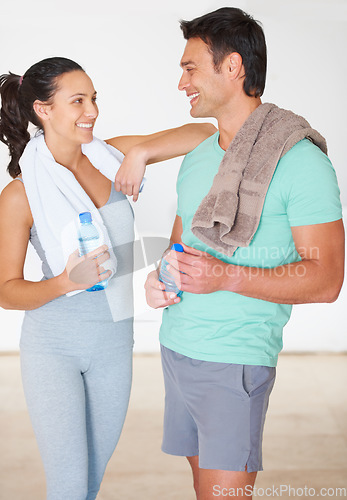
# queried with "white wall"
point(132, 54)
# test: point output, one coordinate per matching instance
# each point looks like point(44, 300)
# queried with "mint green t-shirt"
point(225, 326)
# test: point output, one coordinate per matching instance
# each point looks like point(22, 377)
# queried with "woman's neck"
point(65, 153)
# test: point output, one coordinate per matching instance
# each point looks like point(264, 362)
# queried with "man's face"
point(207, 90)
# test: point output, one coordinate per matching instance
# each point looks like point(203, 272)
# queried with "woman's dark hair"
point(18, 95)
point(229, 30)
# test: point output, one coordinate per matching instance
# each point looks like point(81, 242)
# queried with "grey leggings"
point(77, 405)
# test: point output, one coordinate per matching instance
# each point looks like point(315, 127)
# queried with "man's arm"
point(318, 277)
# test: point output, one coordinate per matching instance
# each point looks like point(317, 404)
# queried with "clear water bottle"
point(166, 277)
point(89, 240)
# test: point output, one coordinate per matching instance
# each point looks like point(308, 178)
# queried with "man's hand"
point(202, 272)
point(155, 295)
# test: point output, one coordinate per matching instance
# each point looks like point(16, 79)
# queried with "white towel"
point(56, 198)
point(102, 156)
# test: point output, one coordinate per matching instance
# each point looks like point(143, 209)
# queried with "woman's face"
point(72, 115)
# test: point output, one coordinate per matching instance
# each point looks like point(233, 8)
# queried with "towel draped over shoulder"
point(229, 215)
point(56, 199)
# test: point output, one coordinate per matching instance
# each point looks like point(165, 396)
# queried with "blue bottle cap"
point(178, 247)
point(85, 217)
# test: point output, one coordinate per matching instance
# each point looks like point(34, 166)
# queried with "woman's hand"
point(131, 172)
point(147, 149)
point(84, 272)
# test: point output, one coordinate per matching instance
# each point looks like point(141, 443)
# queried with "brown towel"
point(229, 215)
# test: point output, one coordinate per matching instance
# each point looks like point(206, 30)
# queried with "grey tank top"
point(83, 310)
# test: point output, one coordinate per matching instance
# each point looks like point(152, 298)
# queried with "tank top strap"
point(18, 179)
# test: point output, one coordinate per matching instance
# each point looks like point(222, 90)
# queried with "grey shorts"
point(215, 410)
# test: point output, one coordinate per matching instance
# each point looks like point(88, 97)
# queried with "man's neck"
point(230, 122)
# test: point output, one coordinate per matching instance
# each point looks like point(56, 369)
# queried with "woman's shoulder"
point(14, 202)
point(14, 191)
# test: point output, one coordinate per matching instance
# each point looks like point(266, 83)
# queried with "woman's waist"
point(65, 334)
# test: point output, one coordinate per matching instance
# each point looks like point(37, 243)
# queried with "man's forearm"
point(297, 283)
point(317, 279)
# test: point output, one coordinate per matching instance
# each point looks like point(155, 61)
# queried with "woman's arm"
point(15, 223)
point(143, 150)
point(192, 133)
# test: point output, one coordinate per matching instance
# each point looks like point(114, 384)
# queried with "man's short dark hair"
point(228, 30)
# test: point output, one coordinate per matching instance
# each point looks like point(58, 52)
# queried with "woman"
point(76, 348)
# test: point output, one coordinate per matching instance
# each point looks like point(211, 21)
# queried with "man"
point(220, 341)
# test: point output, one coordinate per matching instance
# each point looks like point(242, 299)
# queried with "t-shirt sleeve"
point(309, 186)
point(178, 209)
point(178, 183)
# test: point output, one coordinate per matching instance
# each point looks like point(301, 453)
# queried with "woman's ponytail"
point(13, 126)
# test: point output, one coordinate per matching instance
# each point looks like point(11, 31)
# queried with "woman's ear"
point(42, 110)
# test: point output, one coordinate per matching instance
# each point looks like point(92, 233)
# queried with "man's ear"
point(42, 110)
point(234, 65)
